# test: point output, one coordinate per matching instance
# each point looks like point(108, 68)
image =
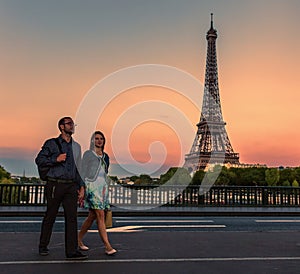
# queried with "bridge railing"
point(34, 195)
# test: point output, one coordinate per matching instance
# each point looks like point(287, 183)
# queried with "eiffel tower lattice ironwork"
point(211, 144)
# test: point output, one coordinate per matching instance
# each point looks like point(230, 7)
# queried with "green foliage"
point(145, 179)
point(7, 181)
point(198, 177)
point(286, 174)
point(4, 174)
point(295, 183)
point(272, 176)
point(5, 177)
point(248, 176)
point(176, 176)
point(134, 178)
point(137, 181)
point(254, 176)
point(297, 174)
point(224, 177)
point(113, 178)
point(142, 180)
point(168, 175)
point(286, 183)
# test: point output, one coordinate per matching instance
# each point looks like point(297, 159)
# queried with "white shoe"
point(83, 247)
point(110, 252)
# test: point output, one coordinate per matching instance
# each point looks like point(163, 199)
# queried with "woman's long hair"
point(92, 143)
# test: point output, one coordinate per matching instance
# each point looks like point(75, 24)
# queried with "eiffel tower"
point(211, 144)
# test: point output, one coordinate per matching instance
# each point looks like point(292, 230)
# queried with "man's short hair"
point(62, 121)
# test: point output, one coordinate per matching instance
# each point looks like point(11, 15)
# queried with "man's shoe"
point(77, 256)
point(43, 251)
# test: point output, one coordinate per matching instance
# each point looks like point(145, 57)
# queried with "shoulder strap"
point(59, 145)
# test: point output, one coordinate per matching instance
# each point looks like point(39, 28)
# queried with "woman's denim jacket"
point(91, 165)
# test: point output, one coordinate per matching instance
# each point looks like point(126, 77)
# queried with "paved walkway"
point(158, 252)
point(148, 252)
point(166, 211)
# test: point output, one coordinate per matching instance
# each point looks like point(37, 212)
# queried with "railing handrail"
point(33, 194)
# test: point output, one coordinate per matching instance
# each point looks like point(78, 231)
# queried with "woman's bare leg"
point(86, 225)
point(102, 229)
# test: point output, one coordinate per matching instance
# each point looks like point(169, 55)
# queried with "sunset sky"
point(54, 52)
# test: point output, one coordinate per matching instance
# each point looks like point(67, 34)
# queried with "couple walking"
point(65, 185)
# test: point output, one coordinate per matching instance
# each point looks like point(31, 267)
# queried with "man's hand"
point(61, 157)
point(80, 194)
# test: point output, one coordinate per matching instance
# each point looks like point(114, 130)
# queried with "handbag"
point(108, 218)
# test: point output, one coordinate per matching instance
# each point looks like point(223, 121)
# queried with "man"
point(64, 186)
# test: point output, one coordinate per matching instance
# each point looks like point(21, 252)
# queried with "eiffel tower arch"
point(211, 144)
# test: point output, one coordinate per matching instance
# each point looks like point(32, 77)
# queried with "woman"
point(95, 163)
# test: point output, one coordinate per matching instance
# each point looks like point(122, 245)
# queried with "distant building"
point(229, 165)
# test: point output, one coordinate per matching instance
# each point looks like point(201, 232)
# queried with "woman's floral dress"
point(96, 192)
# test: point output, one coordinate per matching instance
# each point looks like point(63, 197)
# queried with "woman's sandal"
point(110, 252)
point(83, 247)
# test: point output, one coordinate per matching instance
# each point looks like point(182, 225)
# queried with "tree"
point(134, 178)
point(4, 173)
point(168, 175)
point(198, 177)
point(232, 176)
point(295, 183)
point(235, 176)
point(297, 174)
point(5, 177)
point(287, 174)
point(145, 179)
point(272, 176)
point(176, 176)
point(223, 178)
point(114, 178)
point(286, 183)
point(252, 176)
point(35, 180)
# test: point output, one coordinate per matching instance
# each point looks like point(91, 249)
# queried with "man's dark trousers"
point(65, 194)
